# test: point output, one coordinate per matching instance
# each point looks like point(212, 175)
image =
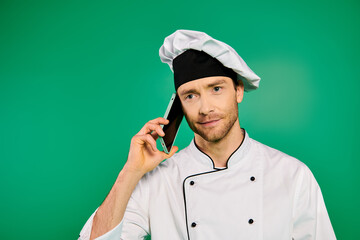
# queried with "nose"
point(205, 106)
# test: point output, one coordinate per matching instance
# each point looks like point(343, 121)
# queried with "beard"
point(219, 131)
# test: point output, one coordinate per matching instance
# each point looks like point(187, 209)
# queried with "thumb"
point(171, 153)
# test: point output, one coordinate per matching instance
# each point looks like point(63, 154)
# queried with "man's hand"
point(144, 155)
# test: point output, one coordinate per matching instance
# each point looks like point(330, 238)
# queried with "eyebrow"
point(208, 86)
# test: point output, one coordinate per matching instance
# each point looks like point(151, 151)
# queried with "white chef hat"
point(182, 40)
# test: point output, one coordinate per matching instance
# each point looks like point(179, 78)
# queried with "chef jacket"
point(262, 193)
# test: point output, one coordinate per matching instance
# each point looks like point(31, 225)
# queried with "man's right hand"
point(144, 155)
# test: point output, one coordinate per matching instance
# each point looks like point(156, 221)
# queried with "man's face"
point(210, 106)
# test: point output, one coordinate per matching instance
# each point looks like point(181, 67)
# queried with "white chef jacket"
point(261, 194)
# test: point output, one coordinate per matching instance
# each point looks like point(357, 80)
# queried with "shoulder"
point(274, 158)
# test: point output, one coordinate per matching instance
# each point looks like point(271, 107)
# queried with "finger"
point(159, 130)
point(159, 120)
point(146, 139)
point(152, 142)
point(172, 152)
point(156, 121)
point(148, 127)
point(154, 135)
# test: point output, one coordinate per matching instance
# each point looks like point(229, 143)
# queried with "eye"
point(217, 89)
point(190, 96)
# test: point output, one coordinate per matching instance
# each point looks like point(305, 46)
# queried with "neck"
point(221, 150)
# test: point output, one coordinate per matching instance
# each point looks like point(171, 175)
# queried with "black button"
point(193, 224)
point(251, 221)
point(252, 178)
point(192, 182)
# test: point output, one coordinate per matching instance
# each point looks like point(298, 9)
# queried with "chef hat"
point(216, 51)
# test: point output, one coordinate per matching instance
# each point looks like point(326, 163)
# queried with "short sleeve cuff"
point(114, 233)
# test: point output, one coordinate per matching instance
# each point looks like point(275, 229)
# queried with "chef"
point(224, 184)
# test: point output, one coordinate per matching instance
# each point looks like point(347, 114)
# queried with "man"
point(224, 185)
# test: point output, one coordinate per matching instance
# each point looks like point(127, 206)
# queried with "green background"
point(78, 79)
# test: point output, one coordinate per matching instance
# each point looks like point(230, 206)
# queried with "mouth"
point(209, 123)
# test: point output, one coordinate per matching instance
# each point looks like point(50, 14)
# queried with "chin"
point(217, 133)
point(213, 139)
point(212, 135)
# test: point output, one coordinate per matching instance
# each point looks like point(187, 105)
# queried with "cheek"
point(188, 112)
point(223, 101)
point(230, 104)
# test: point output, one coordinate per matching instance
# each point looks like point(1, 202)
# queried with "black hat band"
point(193, 64)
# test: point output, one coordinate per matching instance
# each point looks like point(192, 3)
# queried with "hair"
point(237, 82)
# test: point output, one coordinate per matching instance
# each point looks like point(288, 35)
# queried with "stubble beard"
point(216, 133)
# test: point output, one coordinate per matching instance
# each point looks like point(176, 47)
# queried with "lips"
point(209, 123)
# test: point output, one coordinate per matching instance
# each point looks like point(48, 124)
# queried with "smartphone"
point(175, 115)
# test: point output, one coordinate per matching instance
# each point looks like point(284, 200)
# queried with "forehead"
point(203, 83)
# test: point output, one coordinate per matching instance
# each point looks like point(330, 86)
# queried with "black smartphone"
point(175, 115)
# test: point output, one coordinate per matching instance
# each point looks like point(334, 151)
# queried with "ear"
point(239, 91)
